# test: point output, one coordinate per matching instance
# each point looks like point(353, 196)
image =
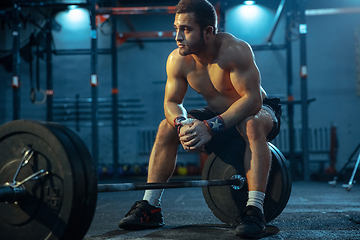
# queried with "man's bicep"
point(175, 89)
point(174, 94)
point(176, 84)
point(244, 73)
point(246, 80)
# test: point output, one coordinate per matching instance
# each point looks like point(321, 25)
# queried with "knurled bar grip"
point(186, 184)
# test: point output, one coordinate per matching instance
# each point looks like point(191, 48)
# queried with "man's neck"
point(209, 54)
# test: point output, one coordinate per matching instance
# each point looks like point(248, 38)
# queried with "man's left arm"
point(245, 77)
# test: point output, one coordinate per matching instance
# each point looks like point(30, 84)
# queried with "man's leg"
point(162, 161)
point(257, 161)
point(163, 155)
point(147, 213)
point(257, 157)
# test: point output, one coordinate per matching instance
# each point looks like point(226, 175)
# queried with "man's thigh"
point(261, 123)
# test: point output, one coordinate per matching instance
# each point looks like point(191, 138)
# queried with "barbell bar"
point(14, 192)
point(236, 182)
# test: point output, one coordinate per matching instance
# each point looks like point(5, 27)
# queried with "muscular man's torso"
point(212, 81)
point(214, 84)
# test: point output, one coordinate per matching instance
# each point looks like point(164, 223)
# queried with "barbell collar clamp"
point(242, 182)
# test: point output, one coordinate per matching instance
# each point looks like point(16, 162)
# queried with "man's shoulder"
point(174, 55)
point(233, 50)
point(229, 42)
point(175, 58)
point(178, 64)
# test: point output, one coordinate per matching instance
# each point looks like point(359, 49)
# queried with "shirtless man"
point(221, 68)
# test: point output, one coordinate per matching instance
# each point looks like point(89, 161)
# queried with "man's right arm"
point(175, 89)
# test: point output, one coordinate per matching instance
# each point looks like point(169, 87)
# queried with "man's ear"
point(208, 31)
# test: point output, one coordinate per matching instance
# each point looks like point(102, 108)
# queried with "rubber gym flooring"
point(315, 210)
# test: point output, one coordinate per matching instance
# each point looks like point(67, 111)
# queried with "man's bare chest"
point(210, 80)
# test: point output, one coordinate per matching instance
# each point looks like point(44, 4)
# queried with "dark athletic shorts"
point(271, 104)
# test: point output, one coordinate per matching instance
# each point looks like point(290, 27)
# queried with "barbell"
point(48, 183)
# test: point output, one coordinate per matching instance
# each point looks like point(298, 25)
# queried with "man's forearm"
point(241, 109)
point(173, 110)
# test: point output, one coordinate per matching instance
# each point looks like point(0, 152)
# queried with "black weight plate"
point(279, 185)
point(88, 208)
point(52, 203)
point(227, 203)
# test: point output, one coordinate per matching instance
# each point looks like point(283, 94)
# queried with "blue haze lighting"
point(75, 28)
point(72, 7)
point(75, 18)
point(249, 12)
point(251, 23)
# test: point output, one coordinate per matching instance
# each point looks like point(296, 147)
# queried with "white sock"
point(153, 196)
point(256, 199)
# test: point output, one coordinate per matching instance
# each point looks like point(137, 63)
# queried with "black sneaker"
point(142, 215)
point(252, 223)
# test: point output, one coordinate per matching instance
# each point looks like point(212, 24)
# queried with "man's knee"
point(252, 128)
point(166, 132)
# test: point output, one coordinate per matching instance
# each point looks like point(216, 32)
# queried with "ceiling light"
point(249, 2)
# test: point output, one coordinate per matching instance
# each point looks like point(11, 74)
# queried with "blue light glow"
point(249, 12)
point(75, 18)
point(251, 23)
point(249, 2)
point(75, 28)
point(72, 7)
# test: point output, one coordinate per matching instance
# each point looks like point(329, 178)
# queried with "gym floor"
point(315, 210)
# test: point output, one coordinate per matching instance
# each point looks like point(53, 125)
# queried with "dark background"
point(333, 57)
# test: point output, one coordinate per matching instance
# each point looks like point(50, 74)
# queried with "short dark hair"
point(204, 11)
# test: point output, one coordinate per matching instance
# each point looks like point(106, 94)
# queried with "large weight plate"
point(225, 202)
point(53, 204)
point(279, 185)
point(90, 187)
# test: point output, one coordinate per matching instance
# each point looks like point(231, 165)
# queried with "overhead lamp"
point(72, 7)
point(249, 2)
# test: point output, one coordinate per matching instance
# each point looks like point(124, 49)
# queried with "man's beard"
point(197, 47)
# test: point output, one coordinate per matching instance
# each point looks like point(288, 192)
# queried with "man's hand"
point(194, 135)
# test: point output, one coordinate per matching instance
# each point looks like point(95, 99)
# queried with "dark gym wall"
point(333, 74)
point(141, 74)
